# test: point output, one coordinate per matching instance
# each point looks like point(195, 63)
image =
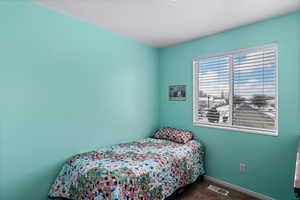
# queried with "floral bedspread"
point(148, 169)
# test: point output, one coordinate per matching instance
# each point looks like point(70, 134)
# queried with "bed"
point(147, 169)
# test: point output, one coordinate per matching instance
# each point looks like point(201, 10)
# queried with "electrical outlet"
point(242, 167)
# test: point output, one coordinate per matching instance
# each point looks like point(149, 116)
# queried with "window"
point(237, 90)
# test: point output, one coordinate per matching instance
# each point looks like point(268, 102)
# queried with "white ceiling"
point(161, 23)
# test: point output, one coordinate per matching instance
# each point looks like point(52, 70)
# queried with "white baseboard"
point(238, 188)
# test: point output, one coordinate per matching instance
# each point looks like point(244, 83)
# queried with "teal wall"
point(66, 87)
point(270, 160)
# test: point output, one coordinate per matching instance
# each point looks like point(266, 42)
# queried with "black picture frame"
point(177, 93)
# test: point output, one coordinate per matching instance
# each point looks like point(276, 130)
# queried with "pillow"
point(173, 134)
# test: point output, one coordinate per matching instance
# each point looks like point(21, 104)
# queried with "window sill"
point(247, 130)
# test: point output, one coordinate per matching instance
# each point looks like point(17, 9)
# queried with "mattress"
point(144, 169)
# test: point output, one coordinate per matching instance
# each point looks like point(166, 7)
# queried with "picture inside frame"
point(177, 93)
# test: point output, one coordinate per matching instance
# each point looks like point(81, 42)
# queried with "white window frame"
point(233, 127)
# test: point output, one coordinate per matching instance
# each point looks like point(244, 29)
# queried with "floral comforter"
point(148, 169)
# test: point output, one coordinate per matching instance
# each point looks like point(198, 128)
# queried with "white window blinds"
point(237, 90)
point(213, 81)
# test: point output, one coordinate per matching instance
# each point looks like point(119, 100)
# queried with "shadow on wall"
point(37, 179)
point(1, 165)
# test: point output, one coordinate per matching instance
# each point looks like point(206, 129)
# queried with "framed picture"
point(177, 93)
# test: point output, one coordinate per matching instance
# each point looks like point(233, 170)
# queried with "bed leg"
point(201, 178)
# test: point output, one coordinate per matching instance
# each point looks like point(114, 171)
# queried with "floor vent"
point(218, 190)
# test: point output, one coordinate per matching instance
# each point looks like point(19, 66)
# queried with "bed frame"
point(182, 189)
